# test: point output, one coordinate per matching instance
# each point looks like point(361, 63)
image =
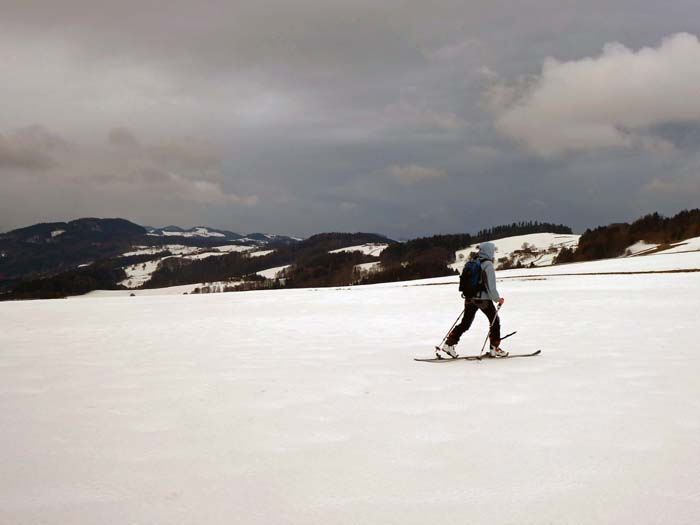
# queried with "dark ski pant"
point(470, 308)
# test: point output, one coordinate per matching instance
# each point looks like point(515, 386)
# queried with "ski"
point(438, 350)
point(489, 356)
point(472, 357)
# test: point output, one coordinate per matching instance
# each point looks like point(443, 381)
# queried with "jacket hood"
point(486, 251)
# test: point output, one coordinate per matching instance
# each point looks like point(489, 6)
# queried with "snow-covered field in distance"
point(305, 406)
point(374, 249)
point(688, 245)
point(139, 274)
point(546, 247)
point(261, 253)
point(271, 273)
point(169, 290)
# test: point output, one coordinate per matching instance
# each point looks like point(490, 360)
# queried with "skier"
point(484, 299)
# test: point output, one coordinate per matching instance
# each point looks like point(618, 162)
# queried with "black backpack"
point(471, 282)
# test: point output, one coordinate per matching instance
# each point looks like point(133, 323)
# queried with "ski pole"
point(498, 308)
point(450, 330)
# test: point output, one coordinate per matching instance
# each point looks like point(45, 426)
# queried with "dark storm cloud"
point(29, 149)
point(299, 116)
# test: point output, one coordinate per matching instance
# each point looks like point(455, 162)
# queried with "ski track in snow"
point(305, 406)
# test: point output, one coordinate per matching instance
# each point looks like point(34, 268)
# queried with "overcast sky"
point(399, 117)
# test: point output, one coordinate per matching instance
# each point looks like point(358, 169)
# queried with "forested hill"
point(612, 240)
point(312, 254)
point(519, 228)
point(431, 256)
point(49, 248)
point(320, 260)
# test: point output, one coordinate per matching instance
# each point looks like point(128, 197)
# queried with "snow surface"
point(639, 248)
point(369, 267)
point(305, 406)
point(234, 248)
point(271, 273)
point(170, 290)
point(195, 232)
point(203, 255)
point(688, 245)
point(260, 253)
point(506, 246)
point(175, 249)
point(657, 262)
point(141, 273)
point(138, 274)
point(56, 233)
point(374, 249)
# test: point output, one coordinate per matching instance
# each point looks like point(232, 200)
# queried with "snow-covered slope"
point(206, 232)
point(657, 262)
point(368, 267)
point(138, 274)
point(689, 245)
point(175, 249)
point(197, 231)
point(374, 249)
point(271, 273)
point(639, 248)
point(538, 249)
point(165, 409)
point(170, 290)
point(261, 253)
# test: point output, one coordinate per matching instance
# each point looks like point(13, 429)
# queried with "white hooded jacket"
point(488, 273)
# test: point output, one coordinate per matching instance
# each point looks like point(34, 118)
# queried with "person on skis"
point(486, 295)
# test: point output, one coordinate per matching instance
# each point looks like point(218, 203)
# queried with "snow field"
point(271, 273)
point(170, 290)
point(657, 262)
point(229, 248)
point(175, 249)
point(506, 246)
point(639, 248)
point(260, 253)
point(196, 232)
point(138, 274)
point(369, 267)
point(689, 245)
point(374, 249)
point(305, 406)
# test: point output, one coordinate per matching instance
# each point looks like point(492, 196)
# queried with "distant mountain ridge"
point(46, 249)
point(76, 257)
point(54, 232)
point(59, 259)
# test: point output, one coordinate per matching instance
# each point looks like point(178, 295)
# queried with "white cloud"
point(609, 101)
point(412, 173)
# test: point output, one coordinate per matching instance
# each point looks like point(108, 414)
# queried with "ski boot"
point(495, 351)
point(449, 350)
